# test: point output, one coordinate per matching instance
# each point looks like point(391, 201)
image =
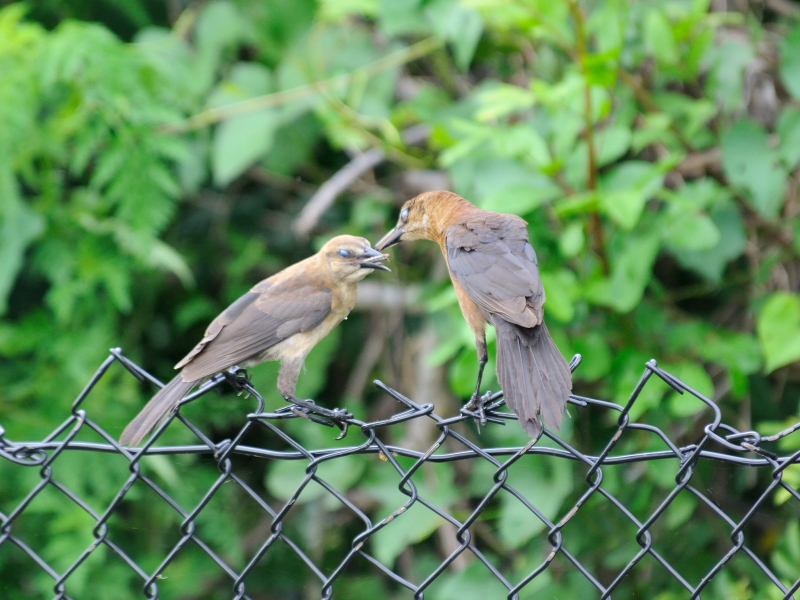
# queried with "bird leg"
point(477, 402)
point(306, 408)
point(287, 386)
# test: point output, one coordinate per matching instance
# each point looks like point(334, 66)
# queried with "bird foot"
point(477, 407)
point(308, 409)
point(238, 378)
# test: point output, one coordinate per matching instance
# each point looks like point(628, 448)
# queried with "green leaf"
point(397, 17)
point(218, 26)
point(338, 10)
point(711, 263)
point(779, 330)
point(572, 240)
point(787, 556)
point(561, 288)
point(246, 80)
point(690, 230)
point(501, 101)
point(790, 62)
point(628, 368)
point(652, 128)
point(750, 162)
point(418, 522)
point(624, 191)
point(693, 374)
point(601, 69)
point(241, 141)
point(728, 63)
point(612, 143)
point(623, 206)
point(630, 274)
point(517, 199)
point(594, 349)
point(460, 25)
point(485, 181)
point(19, 226)
point(659, 37)
point(737, 351)
point(545, 487)
point(285, 476)
point(474, 583)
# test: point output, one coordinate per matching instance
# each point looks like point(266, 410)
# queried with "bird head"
point(425, 217)
point(352, 258)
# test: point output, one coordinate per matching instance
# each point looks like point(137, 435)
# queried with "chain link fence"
point(719, 444)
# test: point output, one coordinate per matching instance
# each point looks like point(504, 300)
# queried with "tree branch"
point(344, 178)
point(215, 115)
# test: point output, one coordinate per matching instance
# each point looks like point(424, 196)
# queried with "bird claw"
point(238, 378)
point(335, 416)
point(476, 407)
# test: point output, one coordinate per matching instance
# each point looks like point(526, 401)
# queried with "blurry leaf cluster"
point(155, 156)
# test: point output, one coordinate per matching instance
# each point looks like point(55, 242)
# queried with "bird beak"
point(391, 238)
point(371, 260)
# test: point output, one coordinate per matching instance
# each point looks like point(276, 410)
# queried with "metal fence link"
point(720, 443)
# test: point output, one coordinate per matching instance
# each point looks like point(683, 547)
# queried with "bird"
point(281, 318)
point(495, 272)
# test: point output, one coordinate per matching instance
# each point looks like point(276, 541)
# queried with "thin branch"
point(344, 178)
point(215, 115)
point(363, 124)
point(698, 164)
point(644, 98)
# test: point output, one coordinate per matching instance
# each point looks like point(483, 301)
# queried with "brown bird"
point(281, 318)
point(496, 275)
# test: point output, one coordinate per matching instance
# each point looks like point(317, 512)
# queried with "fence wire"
point(719, 443)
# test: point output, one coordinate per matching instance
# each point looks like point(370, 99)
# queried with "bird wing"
point(268, 314)
point(490, 255)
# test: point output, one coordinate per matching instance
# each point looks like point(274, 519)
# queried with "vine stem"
point(215, 115)
point(595, 224)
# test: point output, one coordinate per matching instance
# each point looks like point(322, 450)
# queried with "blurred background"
point(159, 157)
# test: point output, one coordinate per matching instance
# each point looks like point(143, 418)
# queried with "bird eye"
point(404, 215)
point(344, 253)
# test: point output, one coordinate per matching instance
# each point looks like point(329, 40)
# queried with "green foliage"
point(779, 330)
point(145, 184)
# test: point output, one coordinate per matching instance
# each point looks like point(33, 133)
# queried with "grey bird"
point(281, 318)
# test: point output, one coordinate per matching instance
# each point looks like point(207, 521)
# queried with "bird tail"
point(160, 405)
point(535, 377)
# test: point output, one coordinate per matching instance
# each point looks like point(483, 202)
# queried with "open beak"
point(371, 260)
point(391, 238)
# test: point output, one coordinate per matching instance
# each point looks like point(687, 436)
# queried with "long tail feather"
point(535, 377)
point(155, 411)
